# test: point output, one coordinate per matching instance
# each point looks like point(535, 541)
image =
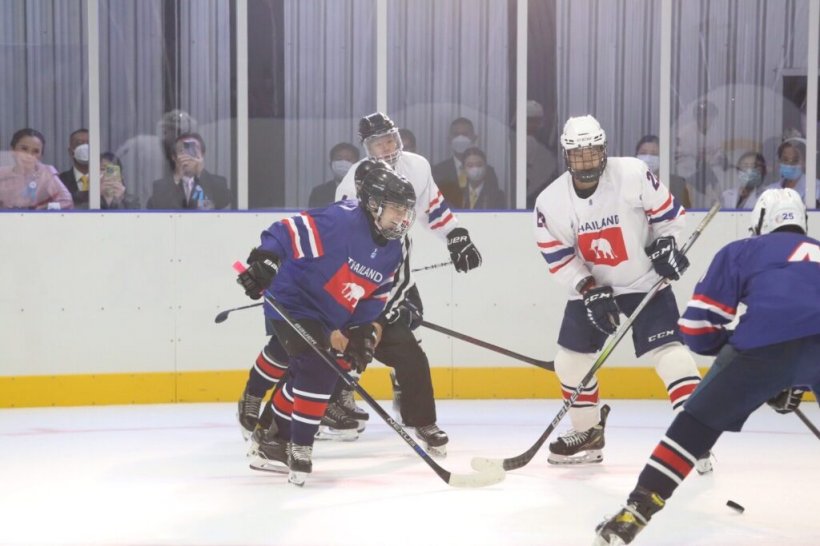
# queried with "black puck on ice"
point(735, 506)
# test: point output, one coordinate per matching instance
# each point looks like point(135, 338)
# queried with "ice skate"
point(626, 524)
point(704, 464)
point(248, 413)
point(270, 455)
point(434, 439)
point(580, 447)
point(299, 463)
point(348, 403)
point(337, 425)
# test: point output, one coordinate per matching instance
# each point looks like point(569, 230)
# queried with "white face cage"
point(385, 147)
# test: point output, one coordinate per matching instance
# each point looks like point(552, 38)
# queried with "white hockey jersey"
point(605, 234)
point(432, 211)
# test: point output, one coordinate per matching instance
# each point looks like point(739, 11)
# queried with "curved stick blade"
point(221, 317)
point(486, 464)
point(490, 476)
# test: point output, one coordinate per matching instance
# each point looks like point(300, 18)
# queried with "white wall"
point(138, 292)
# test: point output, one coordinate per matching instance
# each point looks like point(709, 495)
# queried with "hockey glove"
point(788, 400)
point(262, 268)
point(669, 262)
point(361, 345)
point(602, 309)
point(463, 253)
point(409, 312)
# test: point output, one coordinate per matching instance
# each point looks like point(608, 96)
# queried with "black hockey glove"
point(669, 262)
point(361, 344)
point(788, 400)
point(409, 313)
point(463, 253)
point(602, 309)
point(262, 268)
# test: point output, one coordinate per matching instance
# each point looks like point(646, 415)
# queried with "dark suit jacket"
point(72, 185)
point(323, 194)
point(446, 178)
point(167, 194)
point(491, 197)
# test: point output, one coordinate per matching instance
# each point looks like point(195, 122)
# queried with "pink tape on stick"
point(239, 267)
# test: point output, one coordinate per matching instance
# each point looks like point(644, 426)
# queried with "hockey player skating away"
point(332, 269)
point(770, 356)
point(399, 348)
point(607, 228)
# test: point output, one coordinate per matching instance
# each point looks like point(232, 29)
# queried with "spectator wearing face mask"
point(791, 159)
point(450, 175)
point(342, 156)
point(648, 151)
point(480, 192)
point(75, 179)
point(750, 176)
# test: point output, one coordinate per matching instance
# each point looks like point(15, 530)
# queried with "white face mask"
point(340, 168)
point(82, 153)
point(652, 161)
point(460, 144)
point(475, 173)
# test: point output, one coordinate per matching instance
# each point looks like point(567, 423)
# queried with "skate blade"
point(589, 457)
point(297, 478)
point(326, 433)
point(269, 466)
point(362, 425)
point(246, 434)
point(613, 541)
point(440, 452)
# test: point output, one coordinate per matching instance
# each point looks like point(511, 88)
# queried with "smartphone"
point(191, 147)
point(112, 171)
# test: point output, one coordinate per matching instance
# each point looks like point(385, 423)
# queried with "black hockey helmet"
point(391, 201)
point(379, 127)
point(365, 167)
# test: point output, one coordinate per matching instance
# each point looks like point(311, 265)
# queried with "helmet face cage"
point(394, 220)
point(777, 208)
point(386, 146)
point(584, 144)
point(391, 200)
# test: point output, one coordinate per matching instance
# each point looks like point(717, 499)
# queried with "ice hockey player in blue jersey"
point(332, 270)
point(771, 356)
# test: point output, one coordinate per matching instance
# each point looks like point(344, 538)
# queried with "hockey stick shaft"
point(807, 422)
point(520, 460)
point(489, 346)
point(434, 266)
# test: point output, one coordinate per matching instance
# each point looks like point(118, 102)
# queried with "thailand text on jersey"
point(777, 277)
point(605, 234)
point(432, 211)
point(331, 269)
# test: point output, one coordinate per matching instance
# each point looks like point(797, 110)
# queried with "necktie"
point(473, 198)
point(83, 182)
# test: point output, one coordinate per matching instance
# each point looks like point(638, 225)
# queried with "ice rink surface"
point(177, 475)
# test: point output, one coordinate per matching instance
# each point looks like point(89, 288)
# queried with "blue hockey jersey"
point(777, 277)
point(331, 269)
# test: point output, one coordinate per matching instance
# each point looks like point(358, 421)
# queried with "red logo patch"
point(605, 247)
point(347, 288)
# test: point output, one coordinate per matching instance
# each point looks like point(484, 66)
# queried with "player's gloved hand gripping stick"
point(511, 463)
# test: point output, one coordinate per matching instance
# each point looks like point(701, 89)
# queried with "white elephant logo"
point(352, 292)
point(602, 249)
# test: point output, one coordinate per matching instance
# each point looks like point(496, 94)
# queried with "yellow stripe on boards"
point(226, 386)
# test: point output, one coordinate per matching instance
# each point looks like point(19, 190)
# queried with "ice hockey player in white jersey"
point(607, 228)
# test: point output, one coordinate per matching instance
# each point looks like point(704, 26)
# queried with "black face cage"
point(587, 175)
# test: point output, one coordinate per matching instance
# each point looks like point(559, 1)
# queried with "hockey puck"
point(735, 506)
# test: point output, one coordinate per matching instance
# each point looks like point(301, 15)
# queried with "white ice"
point(177, 475)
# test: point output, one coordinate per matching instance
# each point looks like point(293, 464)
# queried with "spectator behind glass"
point(449, 175)
point(408, 140)
point(342, 156)
point(700, 156)
point(75, 179)
point(113, 194)
point(190, 186)
point(648, 150)
point(480, 193)
point(25, 183)
point(750, 175)
point(791, 160)
point(542, 164)
point(149, 157)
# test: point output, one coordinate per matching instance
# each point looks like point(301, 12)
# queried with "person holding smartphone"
point(113, 194)
point(190, 186)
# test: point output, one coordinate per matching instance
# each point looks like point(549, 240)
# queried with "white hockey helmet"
point(584, 133)
point(776, 208)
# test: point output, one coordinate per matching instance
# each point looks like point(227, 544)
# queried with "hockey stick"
point(222, 316)
point(463, 337)
point(807, 422)
point(511, 463)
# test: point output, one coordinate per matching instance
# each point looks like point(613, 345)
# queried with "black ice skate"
point(299, 463)
point(704, 464)
point(626, 524)
point(337, 425)
point(580, 447)
point(270, 454)
point(348, 404)
point(248, 413)
point(434, 439)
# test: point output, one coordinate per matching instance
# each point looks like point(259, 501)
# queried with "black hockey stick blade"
point(222, 316)
point(480, 478)
point(500, 350)
point(511, 463)
point(807, 422)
